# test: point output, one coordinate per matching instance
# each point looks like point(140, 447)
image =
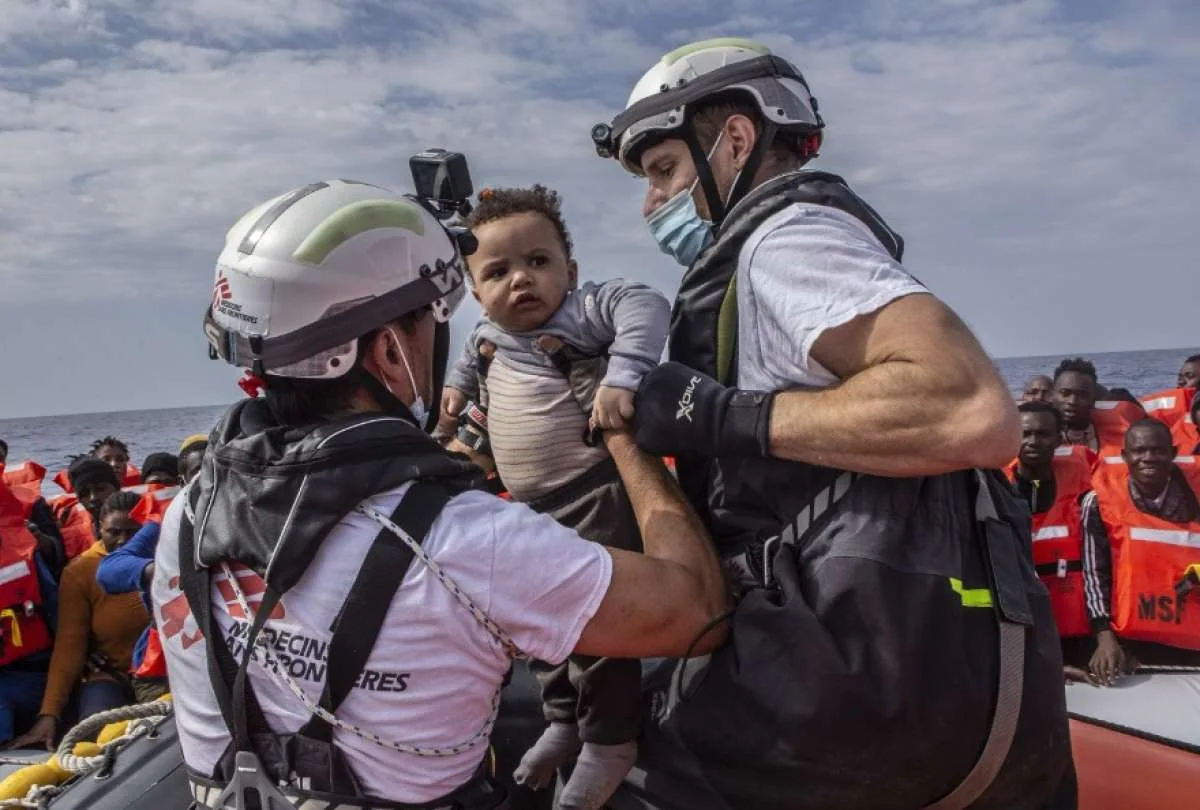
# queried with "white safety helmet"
point(661, 103)
point(305, 274)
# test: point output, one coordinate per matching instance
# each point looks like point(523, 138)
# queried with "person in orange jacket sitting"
point(1053, 478)
point(1097, 424)
point(96, 633)
point(1138, 522)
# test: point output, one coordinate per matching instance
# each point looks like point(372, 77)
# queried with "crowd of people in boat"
point(76, 633)
point(1113, 483)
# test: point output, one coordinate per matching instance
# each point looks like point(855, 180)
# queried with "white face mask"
point(417, 406)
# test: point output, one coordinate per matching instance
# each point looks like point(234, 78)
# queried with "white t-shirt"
point(434, 670)
point(803, 270)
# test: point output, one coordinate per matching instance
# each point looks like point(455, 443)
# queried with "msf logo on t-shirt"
point(685, 402)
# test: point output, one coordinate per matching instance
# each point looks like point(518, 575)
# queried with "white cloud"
point(1038, 163)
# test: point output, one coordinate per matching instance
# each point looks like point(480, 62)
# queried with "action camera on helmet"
point(442, 181)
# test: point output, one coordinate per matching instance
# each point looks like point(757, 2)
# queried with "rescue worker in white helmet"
point(838, 428)
point(337, 606)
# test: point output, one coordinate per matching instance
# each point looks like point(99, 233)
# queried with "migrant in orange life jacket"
point(24, 479)
point(133, 477)
point(1111, 418)
point(23, 626)
point(1058, 539)
point(1150, 556)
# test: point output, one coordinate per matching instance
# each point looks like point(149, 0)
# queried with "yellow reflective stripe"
point(971, 597)
point(15, 630)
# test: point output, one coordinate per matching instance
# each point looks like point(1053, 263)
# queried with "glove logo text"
point(685, 402)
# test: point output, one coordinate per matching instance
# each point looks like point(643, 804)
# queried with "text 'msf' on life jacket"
point(874, 644)
point(1058, 539)
point(24, 629)
point(1151, 558)
point(326, 471)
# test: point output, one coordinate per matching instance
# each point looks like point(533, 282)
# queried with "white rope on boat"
point(1151, 668)
point(141, 719)
point(86, 731)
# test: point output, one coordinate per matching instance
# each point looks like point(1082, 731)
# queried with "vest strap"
point(358, 624)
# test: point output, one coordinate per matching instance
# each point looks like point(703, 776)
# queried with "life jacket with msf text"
point(1150, 558)
point(24, 629)
point(1058, 539)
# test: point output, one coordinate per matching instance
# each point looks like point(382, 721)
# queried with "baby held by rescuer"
point(538, 323)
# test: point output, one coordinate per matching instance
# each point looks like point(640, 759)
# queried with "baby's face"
point(520, 271)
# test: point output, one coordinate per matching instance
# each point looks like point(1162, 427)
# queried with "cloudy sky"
point(1039, 156)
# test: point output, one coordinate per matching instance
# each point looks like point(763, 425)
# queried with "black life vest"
point(267, 496)
point(865, 675)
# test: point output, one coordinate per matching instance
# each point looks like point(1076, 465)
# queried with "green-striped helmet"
point(305, 274)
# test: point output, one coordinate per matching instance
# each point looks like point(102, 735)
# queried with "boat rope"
point(77, 753)
point(87, 729)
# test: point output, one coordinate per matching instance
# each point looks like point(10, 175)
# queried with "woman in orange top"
point(96, 633)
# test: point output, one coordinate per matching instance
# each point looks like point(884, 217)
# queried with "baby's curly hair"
point(497, 203)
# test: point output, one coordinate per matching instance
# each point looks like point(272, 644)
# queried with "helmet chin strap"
point(742, 184)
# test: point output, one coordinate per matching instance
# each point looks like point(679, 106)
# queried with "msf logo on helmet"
point(685, 402)
point(221, 291)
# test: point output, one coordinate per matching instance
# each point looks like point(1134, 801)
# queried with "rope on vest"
point(77, 754)
point(503, 639)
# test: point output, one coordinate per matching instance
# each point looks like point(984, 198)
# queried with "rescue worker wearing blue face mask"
point(839, 429)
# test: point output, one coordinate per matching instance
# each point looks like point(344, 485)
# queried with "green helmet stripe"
point(354, 219)
point(720, 42)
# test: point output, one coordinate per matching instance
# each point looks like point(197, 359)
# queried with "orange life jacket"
point(154, 663)
point(1173, 408)
point(155, 500)
point(133, 477)
point(1058, 539)
point(1150, 556)
point(74, 524)
point(23, 627)
point(1111, 418)
point(25, 479)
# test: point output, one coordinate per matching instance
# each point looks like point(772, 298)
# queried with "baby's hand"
point(453, 401)
point(613, 409)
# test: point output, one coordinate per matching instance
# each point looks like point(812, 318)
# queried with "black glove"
point(681, 410)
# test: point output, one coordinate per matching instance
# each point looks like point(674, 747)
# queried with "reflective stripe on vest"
point(23, 628)
point(1058, 539)
point(1150, 557)
point(1111, 419)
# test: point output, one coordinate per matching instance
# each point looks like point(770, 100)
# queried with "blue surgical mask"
point(677, 226)
point(678, 229)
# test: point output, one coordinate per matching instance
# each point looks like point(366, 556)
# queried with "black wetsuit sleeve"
point(1097, 566)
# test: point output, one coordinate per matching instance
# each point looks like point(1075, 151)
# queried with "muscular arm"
point(660, 602)
point(919, 397)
